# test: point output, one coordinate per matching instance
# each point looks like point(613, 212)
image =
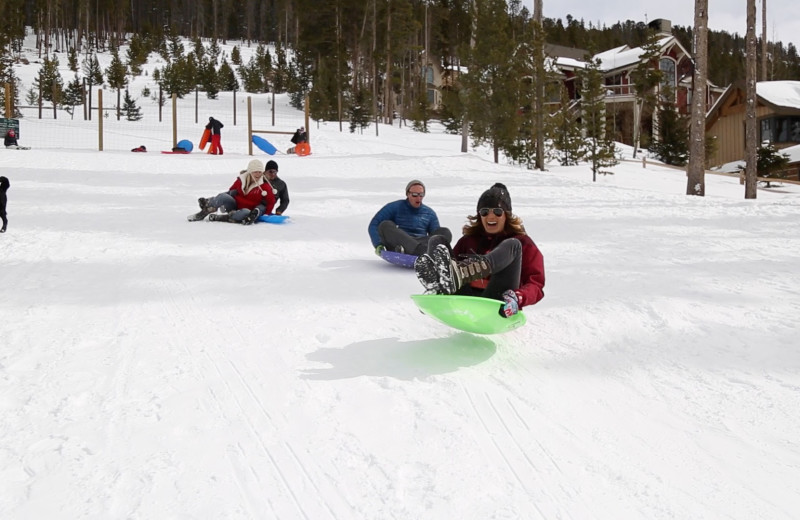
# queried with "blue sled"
point(264, 145)
point(273, 219)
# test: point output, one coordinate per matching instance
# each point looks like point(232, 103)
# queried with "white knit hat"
point(255, 166)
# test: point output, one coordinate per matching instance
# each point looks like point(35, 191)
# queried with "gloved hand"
point(380, 249)
point(511, 303)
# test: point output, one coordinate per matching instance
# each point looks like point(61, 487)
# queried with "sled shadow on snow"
point(405, 360)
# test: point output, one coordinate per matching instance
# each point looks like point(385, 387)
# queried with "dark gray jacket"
point(281, 193)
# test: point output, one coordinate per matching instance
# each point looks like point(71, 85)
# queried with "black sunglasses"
point(484, 212)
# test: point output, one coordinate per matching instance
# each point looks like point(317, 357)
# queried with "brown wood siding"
point(728, 132)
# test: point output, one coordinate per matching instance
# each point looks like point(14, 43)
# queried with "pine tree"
point(213, 51)
point(421, 114)
point(132, 112)
point(567, 138)
point(600, 149)
point(175, 46)
point(646, 77)
point(252, 80)
point(493, 89)
point(263, 70)
point(32, 96)
point(280, 73)
point(209, 79)
point(72, 59)
point(227, 78)
point(300, 73)
point(73, 95)
point(7, 75)
point(671, 133)
point(198, 49)
point(174, 78)
point(451, 112)
point(92, 71)
point(771, 163)
point(236, 55)
point(359, 110)
point(49, 80)
point(116, 74)
point(137, 54)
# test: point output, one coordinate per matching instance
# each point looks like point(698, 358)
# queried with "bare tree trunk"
point(387, 82)
point(338, 65)
point(695, 182)
point(215, 15)
point(751, 138)
point(539, 83)
point(464, 118)
point(764, 56)
point(374, 63)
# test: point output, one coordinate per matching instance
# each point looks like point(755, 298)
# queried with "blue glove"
point(511, 304)
point(380, 249)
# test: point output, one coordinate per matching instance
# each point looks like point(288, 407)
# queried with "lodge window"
point(780, 129)
point(669, 80)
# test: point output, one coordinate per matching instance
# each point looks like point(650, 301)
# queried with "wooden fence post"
point(100, 119)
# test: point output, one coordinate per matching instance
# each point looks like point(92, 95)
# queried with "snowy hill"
point(156, 368)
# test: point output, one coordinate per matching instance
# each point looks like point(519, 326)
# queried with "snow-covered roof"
point(624, 56)
point(564, 63)
point(780, 93)
point(793, 152)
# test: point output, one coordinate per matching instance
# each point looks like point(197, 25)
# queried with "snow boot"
point(249, 219)
point(205, 210)
point(427, 274)
point(455, 274)
point(220, 218)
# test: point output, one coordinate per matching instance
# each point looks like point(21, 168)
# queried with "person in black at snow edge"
point(215, 127)
point(278, 187)
point(300, 136)
point(496, 258)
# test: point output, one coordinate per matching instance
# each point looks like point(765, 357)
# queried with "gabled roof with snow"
point(780, 96)
point(784, 94)
point(624, 56)
point(554, 64)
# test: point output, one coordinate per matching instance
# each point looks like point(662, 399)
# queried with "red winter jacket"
point(531, 284)
point(261, 194)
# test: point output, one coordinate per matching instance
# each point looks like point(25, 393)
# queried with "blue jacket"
point(417, 222)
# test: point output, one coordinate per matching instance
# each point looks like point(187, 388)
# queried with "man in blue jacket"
point(406, 225)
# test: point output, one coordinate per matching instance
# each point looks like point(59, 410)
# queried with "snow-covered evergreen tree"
point(132, 112)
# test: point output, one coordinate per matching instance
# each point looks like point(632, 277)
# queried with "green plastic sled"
point(468, 313)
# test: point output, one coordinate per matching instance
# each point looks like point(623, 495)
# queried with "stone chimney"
point(662, 26)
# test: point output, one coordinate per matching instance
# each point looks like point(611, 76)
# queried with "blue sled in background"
point(264, 145)
point(273, 219)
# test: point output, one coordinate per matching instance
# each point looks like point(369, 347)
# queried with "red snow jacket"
point(261, 194)
point(531, 284)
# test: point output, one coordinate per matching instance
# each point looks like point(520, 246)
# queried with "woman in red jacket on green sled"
point(495, 258)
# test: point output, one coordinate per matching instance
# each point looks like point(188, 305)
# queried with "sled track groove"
point(493, 439)
point(255, 433)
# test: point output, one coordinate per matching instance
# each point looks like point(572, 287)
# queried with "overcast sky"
point(783, 16)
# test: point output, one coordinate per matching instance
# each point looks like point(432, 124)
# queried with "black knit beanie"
point(495, 197)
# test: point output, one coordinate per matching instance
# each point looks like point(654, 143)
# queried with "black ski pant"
point(392, 237)
point(505, 262)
